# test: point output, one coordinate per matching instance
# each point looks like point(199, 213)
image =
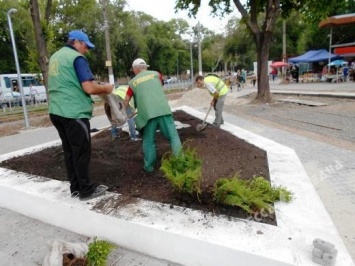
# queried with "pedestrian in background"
point(70, 85)
point(153, 111)
point(274, 74)
point(218, 89)
point(345, 73)
point(239, 80)
point(244, 77)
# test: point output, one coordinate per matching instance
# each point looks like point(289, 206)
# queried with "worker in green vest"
point(153, 111)
point(121, 92)
point(70, 86)
point(218, 89)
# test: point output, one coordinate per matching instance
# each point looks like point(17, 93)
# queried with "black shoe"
point(99, 191)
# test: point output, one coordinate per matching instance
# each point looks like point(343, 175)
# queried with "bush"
point(251, 196)
point(183, 171)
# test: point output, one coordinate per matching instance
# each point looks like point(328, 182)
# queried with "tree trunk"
point(263, 45)
point(262, 36)
point(40, 42)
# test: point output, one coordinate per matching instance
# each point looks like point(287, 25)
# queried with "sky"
point(164, 10)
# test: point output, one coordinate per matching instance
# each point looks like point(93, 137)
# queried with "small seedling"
point(98, 252)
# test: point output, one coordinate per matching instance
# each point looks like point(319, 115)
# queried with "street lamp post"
point(199, 27)
point(192, 63)
point(108, 47)
point(330, 46)
point(199, 58)
point(177, 66)
point(12, 11)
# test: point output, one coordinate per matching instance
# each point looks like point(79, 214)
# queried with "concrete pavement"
point(23, 241)
point(336, 189)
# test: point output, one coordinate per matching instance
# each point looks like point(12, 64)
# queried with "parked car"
point(171, 80)
point(8, 99)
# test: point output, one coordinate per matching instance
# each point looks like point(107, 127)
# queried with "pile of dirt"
point(119, 165)
point(198, 98)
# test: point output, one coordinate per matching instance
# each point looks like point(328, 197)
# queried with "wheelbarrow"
point(202, 126)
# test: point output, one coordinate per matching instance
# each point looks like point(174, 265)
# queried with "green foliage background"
point(165, 45)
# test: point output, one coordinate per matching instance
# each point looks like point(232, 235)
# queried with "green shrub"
point(251, 196)
point(183, 171)
point(272, 193)
point(98, 252)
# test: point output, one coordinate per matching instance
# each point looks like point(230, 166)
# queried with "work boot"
point(99, 191)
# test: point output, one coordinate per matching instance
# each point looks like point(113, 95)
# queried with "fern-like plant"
point(183, 171)
point(251, 196)
point(98, 252)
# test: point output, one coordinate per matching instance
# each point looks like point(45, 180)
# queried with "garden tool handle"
point(131, 115)
point(209, 109)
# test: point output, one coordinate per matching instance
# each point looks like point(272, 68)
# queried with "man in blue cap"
point(70, 85)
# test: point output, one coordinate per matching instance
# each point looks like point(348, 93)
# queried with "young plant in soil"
point(98, 252)
point(252, 196)
point(183, 171)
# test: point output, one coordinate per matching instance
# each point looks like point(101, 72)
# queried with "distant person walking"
point(244, 77)
point(153, 112)
point(274, 74)
point(218, 89)
point(295, 73)
point(71, 83)
point(33, 94)
point(345, 73)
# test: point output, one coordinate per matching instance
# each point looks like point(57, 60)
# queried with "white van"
point(32, 88)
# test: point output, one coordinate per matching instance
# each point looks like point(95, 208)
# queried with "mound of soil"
point(119, 165)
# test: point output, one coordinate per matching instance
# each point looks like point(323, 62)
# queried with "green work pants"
point(167, 128)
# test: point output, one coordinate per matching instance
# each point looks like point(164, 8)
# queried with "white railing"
point(180, 84)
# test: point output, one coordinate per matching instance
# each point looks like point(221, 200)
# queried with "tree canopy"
point(257, 35)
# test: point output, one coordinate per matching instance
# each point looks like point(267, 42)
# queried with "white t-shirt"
point(211, 88)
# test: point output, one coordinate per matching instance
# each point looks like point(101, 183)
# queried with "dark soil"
point(119, 165)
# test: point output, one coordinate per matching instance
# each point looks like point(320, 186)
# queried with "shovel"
point(202, 126)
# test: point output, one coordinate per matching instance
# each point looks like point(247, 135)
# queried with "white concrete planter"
point(183, 235)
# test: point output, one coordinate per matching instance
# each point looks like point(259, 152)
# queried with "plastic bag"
point(58, 248)
point(114, 109)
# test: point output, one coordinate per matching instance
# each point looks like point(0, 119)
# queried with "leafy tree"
point(260, 17)
point(21, 24)
point(39, 29)
point(314, 12)
point(239, 47)
point(213, 55)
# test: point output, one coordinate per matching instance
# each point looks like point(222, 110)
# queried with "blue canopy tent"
point(313, 56)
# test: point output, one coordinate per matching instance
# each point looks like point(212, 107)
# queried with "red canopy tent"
point(278, 64)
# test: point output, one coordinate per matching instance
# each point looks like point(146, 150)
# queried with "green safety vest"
point(66, 96)
point(220, 86)
point(149, 97)
point(121, 91)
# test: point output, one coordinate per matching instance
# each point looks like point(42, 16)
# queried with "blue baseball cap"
point(80, 36)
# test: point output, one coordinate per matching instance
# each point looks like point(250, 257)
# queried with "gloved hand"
point(213, 103)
